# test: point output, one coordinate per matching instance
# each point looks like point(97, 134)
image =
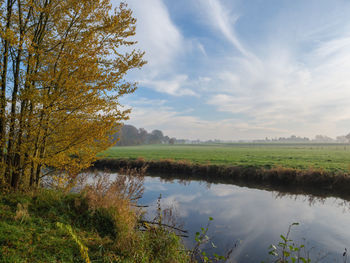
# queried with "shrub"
point(104, 223)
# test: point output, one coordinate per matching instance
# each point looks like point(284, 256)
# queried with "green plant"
point(104, 223)
point(287, 251)
point(201, 239)
point(83, 249)
point(35, 235)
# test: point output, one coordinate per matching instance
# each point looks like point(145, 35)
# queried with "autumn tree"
point(63, 67)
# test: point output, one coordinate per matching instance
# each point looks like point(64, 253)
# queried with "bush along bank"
point(53, 226)
point(313, 181)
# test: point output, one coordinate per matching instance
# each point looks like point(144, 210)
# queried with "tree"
point(166, 139)
point(348, 137)
point(143, 135)
point(129, 135)
point(156, 136)
point(63, 67)
point(172, 141)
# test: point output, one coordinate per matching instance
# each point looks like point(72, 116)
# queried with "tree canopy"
point(130, 135)
point(62, 72)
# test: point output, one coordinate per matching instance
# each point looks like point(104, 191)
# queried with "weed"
point(201, 239)
point(21, 212)
point(83, 249)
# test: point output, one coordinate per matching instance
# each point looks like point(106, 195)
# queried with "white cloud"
point(220, 17)
point(148, 102)
point(157, 35)
point(174, 86)
point(181, 124)
point(163, 44)
point(295, 82)
point(308, 94)
point(202, 49)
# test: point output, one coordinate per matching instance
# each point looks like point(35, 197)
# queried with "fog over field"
point(242, 69)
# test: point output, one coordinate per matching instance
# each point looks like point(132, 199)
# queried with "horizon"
point(316, 138)
point(238, 70)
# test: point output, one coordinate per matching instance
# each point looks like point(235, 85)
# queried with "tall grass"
point(99, 224)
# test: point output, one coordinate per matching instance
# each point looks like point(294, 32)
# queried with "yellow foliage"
point(69, 64)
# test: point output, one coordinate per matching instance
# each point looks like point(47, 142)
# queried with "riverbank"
point(52, 226)
point(307, 181)
point(329, 157)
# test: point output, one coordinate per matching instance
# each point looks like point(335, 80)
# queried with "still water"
point(253, 219)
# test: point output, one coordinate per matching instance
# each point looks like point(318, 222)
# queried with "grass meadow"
point(330, 157)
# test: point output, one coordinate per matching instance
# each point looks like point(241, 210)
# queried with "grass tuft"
point(100, 225)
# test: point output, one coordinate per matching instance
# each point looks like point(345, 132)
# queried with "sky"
point(242, 70)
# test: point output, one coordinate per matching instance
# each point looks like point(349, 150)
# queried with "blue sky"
point(242, 69)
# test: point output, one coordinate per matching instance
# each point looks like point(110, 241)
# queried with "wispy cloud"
point(283, 89)
point(157, 35)
point(174, 86)
point(182, 124)
point(222, 18)
point(163, 44)
point(290, 77)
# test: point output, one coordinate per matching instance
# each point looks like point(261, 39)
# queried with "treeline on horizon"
point(129, 135)
point(317, 139)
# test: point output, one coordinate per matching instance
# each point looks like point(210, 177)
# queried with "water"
point(254, 219)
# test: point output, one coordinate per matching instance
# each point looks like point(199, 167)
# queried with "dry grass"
point(104, 216)
point(21, 212)
point(118, 195)
point(108, 193)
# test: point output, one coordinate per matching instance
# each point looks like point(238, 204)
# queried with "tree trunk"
point(3, 91)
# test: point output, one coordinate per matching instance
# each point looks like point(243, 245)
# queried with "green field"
point(331, 157)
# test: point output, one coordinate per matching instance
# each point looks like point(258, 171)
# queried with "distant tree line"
point(130, 135)
point(292, 138)
point(318, 139)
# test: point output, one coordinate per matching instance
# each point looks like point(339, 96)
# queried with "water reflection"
point(319, 192)
point(309, 198)
point(255, 218)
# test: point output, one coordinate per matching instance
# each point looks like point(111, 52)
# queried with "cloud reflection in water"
point(255, 217)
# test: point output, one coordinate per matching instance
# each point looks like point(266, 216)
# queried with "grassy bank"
point(29, 231)
point(310, 181)
point(329, 157)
